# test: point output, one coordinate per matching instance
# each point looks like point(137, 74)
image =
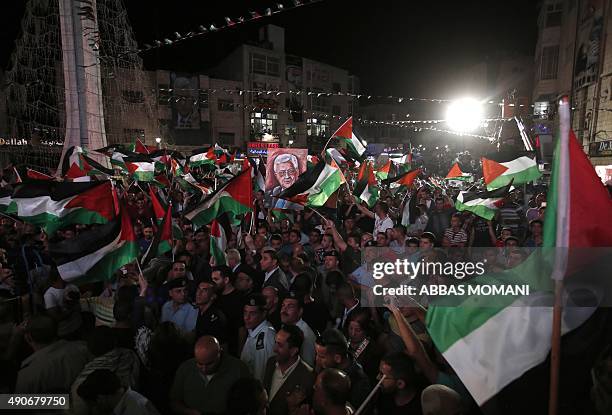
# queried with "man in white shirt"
point(382, 221)
point(291, 313)
point(259, 345)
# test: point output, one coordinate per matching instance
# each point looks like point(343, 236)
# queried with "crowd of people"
point(279, 329)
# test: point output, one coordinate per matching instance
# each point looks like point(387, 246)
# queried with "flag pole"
point(560, 263)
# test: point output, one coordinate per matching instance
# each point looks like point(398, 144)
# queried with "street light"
point(464, 115)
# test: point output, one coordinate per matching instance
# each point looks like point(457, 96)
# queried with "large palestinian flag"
point(315, 186)
point(140, 167)
point(96, 254)
point(355, 146)
point(235, 197)
point(483, 204)
point(492, 347)
point(521, 170)
point(53, 205)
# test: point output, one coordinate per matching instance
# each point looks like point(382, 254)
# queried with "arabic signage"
point(259, 148)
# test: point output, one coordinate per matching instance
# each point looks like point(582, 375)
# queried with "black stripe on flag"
point(85, 243)
point(394, 179)
point(55, 190)
point(487, 194)
point(304, 182)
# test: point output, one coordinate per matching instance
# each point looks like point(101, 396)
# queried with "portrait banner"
point(283, 167)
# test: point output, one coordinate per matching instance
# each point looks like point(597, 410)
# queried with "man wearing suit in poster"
point(283, 169)
point(286, 373)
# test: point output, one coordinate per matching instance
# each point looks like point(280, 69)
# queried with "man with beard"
point(211, 321)
point(286, 372)
point(331, 392)
point(399, 392)
point(291, 313)
point(286, 172)
point(229, 302)
point(332, 352)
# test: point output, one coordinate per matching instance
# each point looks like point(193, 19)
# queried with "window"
point(133, 97)
point(163, 96)
point(318, 102)
point(549, 62)
point(554, 14)
point(540, 109)
point(350, 107)
point(225, 105)
point(317, 127)
point(226, 139)
point(265, 65)
point(336, 109)
point(273, 66)
point(131, 134)
point(336, 87)
point(258, 63)
point(203, 99)
point(263, 122)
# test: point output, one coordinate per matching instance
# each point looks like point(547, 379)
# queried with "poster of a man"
point(282, 170)
point(185, 112)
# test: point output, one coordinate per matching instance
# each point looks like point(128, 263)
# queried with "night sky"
point(395, 47)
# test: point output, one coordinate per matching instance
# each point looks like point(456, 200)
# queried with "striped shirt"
point(455, 238)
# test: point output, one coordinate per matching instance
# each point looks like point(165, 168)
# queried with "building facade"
point(574, 58)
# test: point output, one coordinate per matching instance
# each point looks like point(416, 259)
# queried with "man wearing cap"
point(286, 171)
point(292, 310)
point(274, 276)
point(178, 310)
point(259, 345)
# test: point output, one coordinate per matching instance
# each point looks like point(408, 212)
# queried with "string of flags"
point(229, 23)
point(318, 94)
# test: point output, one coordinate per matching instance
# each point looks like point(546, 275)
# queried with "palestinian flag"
point(141, 148)
point(158, 210)
point(141, 168)
point(366, 188)
point(311, 161)
point(336, 155)
point(315, 186)
point(282, 214)
point(383, 172)
point(235, 197)
point(6, 201)
point(521, 170)
point(356, 147)
point(96, 254)
point(36, 175)
point(162, 241)
point(53, 205)
point(202, 157)
point(404, 179)
point(495, 348)
point(483, 204)
point(219, 229)
point(455, 173)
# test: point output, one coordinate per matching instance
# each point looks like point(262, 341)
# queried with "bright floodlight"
point(464, 115)
point(158, 140)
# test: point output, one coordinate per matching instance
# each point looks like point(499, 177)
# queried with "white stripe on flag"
point(79, 267)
